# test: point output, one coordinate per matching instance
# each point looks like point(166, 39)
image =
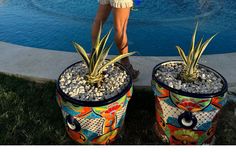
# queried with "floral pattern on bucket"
point(94, 125)
point(171, 125)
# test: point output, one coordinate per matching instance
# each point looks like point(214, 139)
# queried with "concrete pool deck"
point(46, 65)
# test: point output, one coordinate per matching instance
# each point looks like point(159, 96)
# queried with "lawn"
point(29, 115)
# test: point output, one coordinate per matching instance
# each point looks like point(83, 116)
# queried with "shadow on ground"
point(29, 115)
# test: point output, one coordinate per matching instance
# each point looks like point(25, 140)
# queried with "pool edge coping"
point(37, 64)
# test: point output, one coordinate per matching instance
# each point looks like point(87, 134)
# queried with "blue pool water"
point(155, 29)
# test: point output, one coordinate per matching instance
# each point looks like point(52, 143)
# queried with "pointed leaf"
point(97, 42)
point(205, 44)
point(93, 58)
point(182, 54)
point(101, 59)
point(190, 69)
point(198, 53)
point(93, 61)
point(191, 51)
point(115, 59)
point(105, 52)
point(99, 35)
point(203, 47)
point(98, 50)
point(103, 42)
point(82, 52)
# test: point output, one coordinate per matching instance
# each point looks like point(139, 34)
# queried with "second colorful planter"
point(186, 118)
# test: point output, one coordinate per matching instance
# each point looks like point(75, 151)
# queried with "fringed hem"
point(122, 3)
point(118, 3)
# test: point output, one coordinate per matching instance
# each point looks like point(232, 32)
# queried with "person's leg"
point(121, 16)
point(101, 17)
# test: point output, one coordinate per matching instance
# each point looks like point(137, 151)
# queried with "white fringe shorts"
point(117, 3)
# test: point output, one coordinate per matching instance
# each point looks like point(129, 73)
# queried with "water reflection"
point(155, 29)
point(150, 11)
point(2, 2)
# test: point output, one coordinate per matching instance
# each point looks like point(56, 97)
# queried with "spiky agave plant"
point(96, 62)
point(189, 72)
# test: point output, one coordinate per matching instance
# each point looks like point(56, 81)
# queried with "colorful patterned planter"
point(94, 122)
point(186, 118)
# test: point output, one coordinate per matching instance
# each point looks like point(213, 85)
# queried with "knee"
point(119, 30)
point(99, 20)
point(120, 34)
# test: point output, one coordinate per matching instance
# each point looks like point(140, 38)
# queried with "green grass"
point(29, 115)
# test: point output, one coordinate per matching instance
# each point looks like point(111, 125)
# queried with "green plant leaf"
point(93, 61)
point(98, 37)
point(105, 52)
point(205, 44)
point(96, 46)
point(103, 42)
point(115, 59)
point(198, 53)
point(100, 60)
point(99, 48)
point(190, 71)
point(82, 52)
point(192, 49)
point(193, 63)
point(203, 47)
point(182, 54)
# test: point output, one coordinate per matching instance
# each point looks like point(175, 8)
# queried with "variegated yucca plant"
point(190, 71)
point(96, 62)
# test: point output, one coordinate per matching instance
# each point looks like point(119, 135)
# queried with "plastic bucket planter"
point(94, 122)
point(186, 118)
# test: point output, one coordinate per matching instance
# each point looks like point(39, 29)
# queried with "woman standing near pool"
point(121, 11)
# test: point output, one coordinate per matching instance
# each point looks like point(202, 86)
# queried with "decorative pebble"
point(207, 82)
point(73, 83)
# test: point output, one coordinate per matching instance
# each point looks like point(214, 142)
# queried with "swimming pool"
point(154, 30)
